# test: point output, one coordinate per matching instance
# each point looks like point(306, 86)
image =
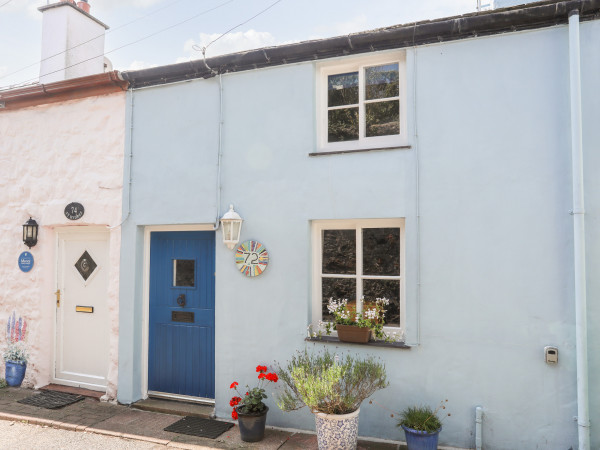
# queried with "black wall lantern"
point(30, 233)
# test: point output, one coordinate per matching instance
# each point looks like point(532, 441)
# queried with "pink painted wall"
point(52, 155)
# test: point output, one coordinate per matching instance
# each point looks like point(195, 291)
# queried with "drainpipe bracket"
point(576, 211)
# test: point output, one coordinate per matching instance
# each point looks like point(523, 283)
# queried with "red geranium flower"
point(261, 368)
point(234, 414)
point(261, 375)
point(233, 385)
point(272, 377)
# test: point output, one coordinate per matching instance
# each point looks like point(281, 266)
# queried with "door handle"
point(181, 300)
point(57, 293)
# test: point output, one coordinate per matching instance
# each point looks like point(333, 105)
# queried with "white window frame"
point(318, 226)
point(358, 64)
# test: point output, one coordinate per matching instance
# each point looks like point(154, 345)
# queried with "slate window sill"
point(335, 340)
point(359, 150)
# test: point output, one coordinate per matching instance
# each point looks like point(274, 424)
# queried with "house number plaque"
point(74, 211)
point(251, 258)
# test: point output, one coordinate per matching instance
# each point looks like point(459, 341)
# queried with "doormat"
point(197, 426)
point(51, 399)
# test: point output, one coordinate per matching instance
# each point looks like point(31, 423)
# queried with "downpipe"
point(478, 422)
point(583, 418)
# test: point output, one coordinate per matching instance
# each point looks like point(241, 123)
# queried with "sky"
point(149, 33)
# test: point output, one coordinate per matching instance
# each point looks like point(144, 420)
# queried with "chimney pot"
point(84, 5)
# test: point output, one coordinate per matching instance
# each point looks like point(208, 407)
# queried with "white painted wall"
point(52, 155)
point(493, 150)
point(72, 44)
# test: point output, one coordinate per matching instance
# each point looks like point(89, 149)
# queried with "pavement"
point(122, 421)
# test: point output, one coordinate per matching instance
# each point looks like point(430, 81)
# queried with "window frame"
point(318, 226)
point(354, 64)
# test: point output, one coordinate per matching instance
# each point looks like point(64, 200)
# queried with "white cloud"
point(358, 23)
point(98, 6)
point(230, 43)
point(138, 65)
point(107, 5)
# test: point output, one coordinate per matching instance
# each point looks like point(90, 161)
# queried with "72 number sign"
point(251, 258)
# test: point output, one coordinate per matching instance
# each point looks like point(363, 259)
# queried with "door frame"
point(62, 232)
point(146, 298)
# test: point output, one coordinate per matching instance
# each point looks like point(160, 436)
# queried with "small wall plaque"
point(182, 316)
point(74, 211)
point(84, 309)
point(251, 258)
point(25, 261)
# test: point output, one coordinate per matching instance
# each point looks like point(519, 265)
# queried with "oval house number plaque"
point(251, 258)
point(74, 211)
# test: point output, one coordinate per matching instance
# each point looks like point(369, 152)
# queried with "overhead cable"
point(133, 42)
point(168, 5)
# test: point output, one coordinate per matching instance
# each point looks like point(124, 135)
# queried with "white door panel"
point(82, 340)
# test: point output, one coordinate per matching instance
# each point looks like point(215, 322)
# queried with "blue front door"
point(181, 357)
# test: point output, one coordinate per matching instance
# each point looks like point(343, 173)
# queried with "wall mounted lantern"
point(30, 233)
point(232, 226)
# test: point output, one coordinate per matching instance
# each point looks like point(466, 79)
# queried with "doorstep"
point(177, 408)
point(73, 390)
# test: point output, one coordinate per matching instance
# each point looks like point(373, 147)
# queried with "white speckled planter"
point(337, 431)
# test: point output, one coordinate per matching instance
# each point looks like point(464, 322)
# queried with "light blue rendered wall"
point(492, 118)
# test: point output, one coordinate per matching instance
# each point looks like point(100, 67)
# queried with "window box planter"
point(349, 333)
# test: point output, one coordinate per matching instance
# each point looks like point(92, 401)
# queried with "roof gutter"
point(40, 94)
point(530, 16)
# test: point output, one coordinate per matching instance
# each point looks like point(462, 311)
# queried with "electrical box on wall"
point(551, 354)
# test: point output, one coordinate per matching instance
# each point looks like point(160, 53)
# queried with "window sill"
point(335, 340)
point(359, 150)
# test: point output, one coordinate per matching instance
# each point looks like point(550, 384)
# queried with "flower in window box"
point(367, 316)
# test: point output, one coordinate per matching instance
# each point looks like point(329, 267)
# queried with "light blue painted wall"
point(496, 235)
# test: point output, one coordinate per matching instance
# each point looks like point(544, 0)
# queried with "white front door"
point(82, 324)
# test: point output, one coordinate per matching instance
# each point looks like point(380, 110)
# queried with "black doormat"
point(197, 426)
point(51, 399)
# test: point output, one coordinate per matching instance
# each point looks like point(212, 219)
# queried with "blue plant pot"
point(421, 440)
point(15, 372)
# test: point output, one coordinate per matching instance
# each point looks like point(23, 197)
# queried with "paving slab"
point(111, 419)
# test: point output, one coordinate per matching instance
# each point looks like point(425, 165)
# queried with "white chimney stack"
point(72, 41)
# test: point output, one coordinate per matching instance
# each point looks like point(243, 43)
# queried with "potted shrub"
point(249, 410)
point(354, 326)
point(15, 359)
point(333, 388)
point(421, 426)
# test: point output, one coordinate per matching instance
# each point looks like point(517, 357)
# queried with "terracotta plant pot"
point(349, 333)
point(252, 426)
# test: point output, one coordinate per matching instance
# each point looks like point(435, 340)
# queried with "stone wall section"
point(52, 155)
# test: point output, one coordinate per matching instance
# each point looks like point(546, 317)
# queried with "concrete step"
point(73, 390)
point(175, 407)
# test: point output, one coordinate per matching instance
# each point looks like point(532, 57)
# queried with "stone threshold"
point(73, 390)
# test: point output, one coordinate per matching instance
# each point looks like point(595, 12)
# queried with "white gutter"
point(583, 419)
